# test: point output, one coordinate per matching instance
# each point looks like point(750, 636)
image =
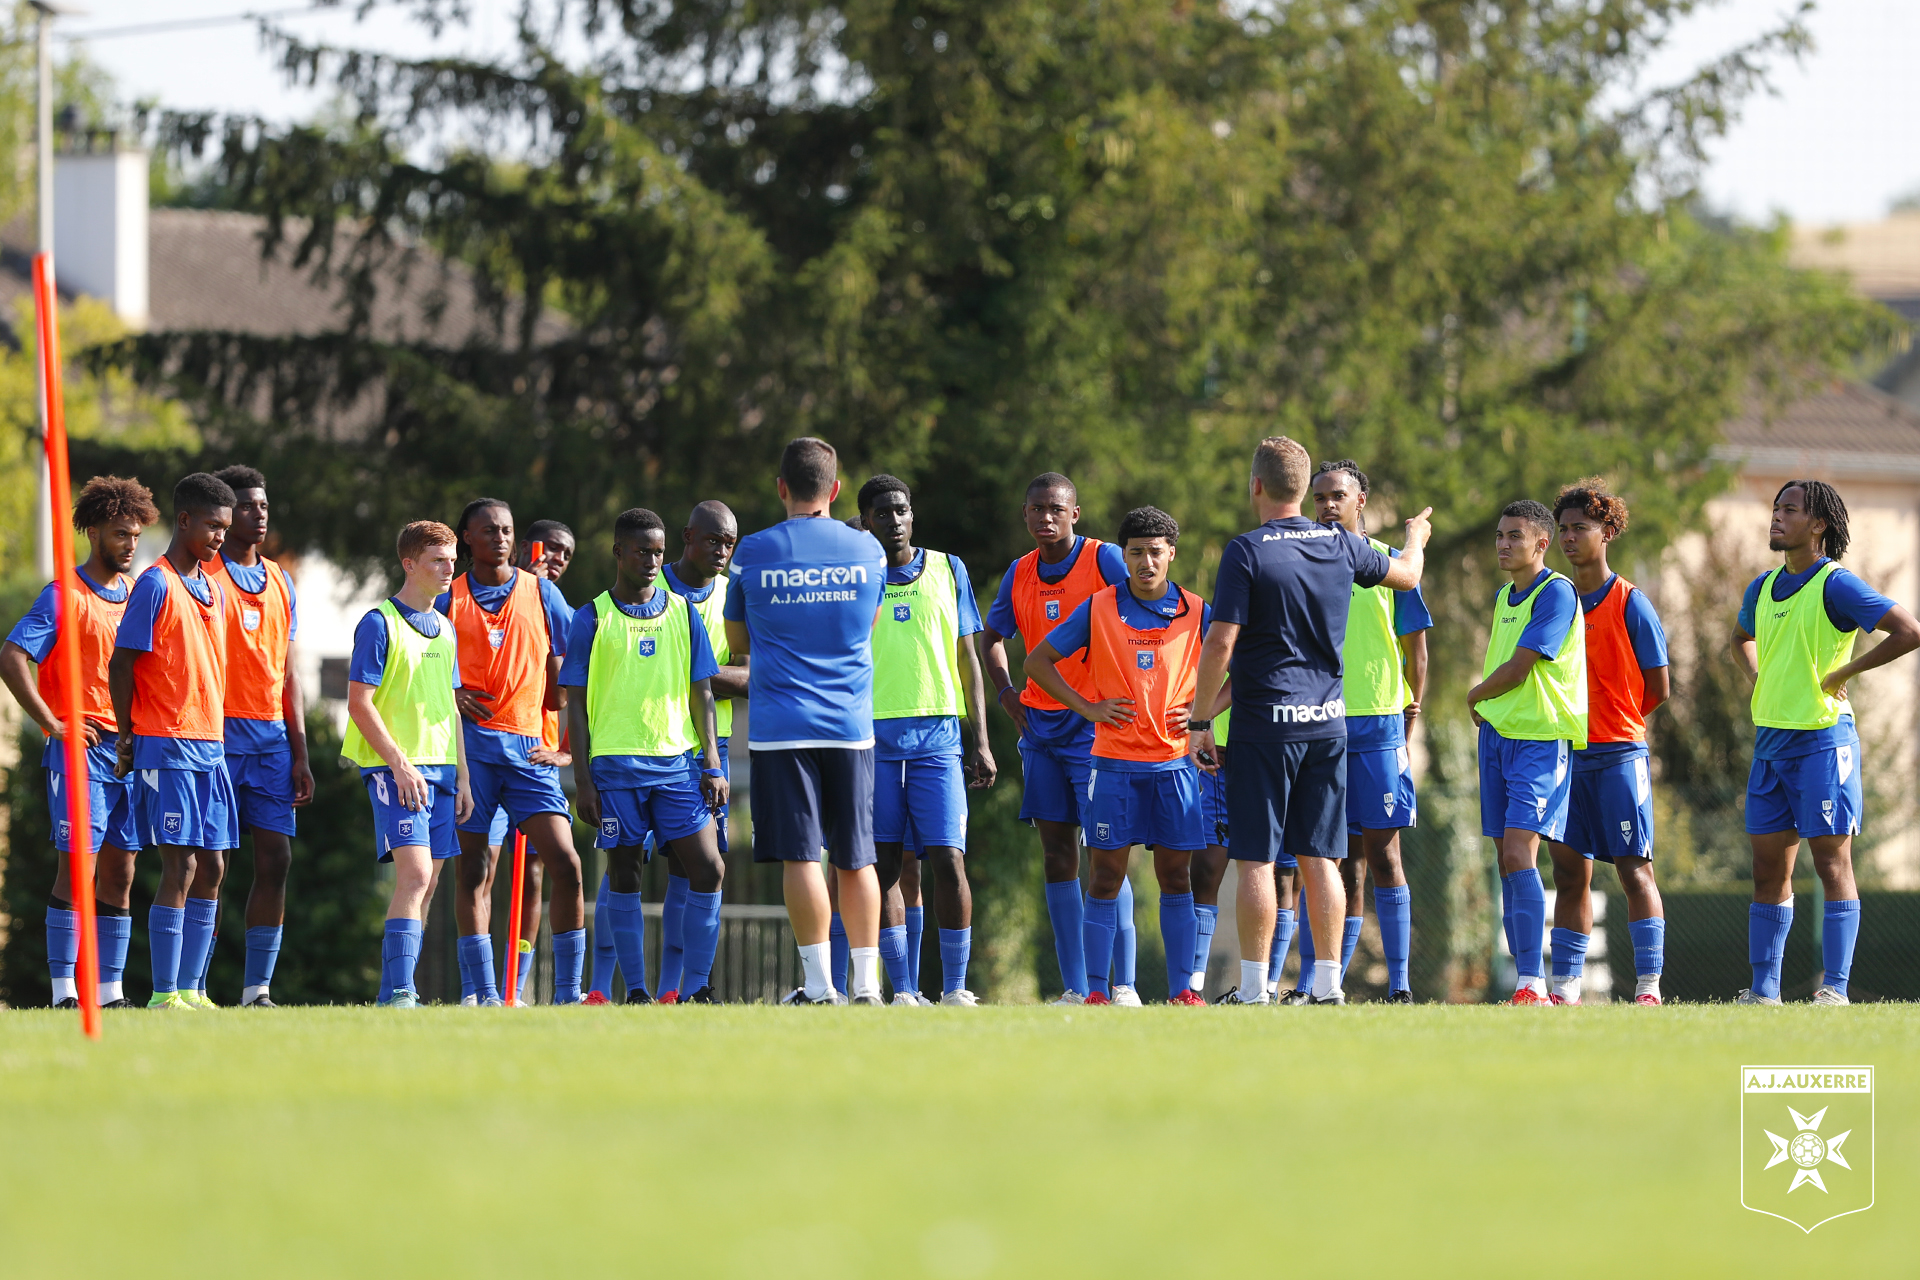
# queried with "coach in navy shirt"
point(1280, 603)
point(804, 598)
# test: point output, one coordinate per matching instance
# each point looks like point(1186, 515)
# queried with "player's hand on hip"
point(473, 704)
point(1411, 711)
point(302, 784)
point(90, 734)
point(980, 768)
point(1115, 711)
point(558, 759)
point(1835, 685)
point(1206, 753)
point(1177, 718)
point(586, 800)
point(1420, 528)
point(715, 790)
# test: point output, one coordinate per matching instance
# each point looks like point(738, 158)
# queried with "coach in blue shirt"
point(1280, 601)
point(804, 599)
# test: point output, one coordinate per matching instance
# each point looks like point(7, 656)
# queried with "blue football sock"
point(1177, 929)
point(1349, 941)
point(838, 954)
point(1304, 982)
point(1099, 922)
point(626, 934)
point(893, 954)
point(524, 975)
point(116, 939)
point(1529, 920)
point(399, 953)
point(63, 942)
point(956, 949)
point(1840, 929)
point(569, 960)
point(1506, 912)
point(163, 943)
point(702, 938)
point(1649, 945)
point(476, 966)
point(1283, 926)
point(1069, 933)
point(1569, 954)
point(196, 941)
point(1126, 938)
point(1767, 928)
point(263, 953)
point(916, 938)
point(1394, 905)
point(1206, 919)
point(606, 960)
point(673, 934)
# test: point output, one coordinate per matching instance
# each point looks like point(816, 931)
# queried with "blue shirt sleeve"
point(559, 616)
point(1410, 613)
point(963, 587)
point(1553, 612)
point(1113, 564)
point(1206, 619)
point(1369, 566)
point(573, 668)
point(703, 667)
point(369, 661)
point(1750, 602)
point(1075, 631)
point(1233, 584)
point(1851, 603)
point(1000, 614)
point(443, 603)
point(1644, 629)
point(144, 603)
point(36, 631)
point(735, 609)
point(293, 609)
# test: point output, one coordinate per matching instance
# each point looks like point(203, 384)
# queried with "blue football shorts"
point(263, 785)
point(1610, 812)
point(1054, 781)
point(113, 814)
point(668, 811)
point(920, 802)
point(1523, 784)
point(1159, 808)
point(1380, 791)
point(189, 808)
point(1816, 794)
point(396, 826)
point(523, 790)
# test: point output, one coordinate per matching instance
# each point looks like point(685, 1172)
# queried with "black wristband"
point(1199, 726)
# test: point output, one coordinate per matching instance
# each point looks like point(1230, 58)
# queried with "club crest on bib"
point(496, 636)
point(645, 647)
point(249, 619)
point(903, 613)
point(1144, 659)
point(1053, 611)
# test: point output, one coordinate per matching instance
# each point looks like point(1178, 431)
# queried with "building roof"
point(1882, 257)
point(1844, 429)
point(206, 273)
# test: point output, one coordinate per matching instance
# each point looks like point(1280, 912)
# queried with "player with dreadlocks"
point(1805, 782)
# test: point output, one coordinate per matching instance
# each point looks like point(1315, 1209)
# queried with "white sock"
point(249, 994)
point(1567, 988)
point(1536, 985)
point(1326, 978)
point(110, 991)
point(813, 970)
point(864, 978)
point(1273, 988)
point(65, 989)
point(1253, 980)
point(1198, 982)
point(1647, 984)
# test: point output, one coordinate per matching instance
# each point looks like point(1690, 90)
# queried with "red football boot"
point(1646, 997)
point(595, 997)
point(669, 997)
point(1189, 996)
point(1098, 997)
point(1527, 995)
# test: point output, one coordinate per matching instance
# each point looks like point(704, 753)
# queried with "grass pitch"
point(795, 1143)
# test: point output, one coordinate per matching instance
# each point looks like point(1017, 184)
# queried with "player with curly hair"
point(1610, 810)
point(1805, 782)
point(111, 511)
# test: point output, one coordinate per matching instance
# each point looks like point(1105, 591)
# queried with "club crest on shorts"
point(1053, 611)
point(404, 828)
point(1103, 833)
point(646, 647)
point(1386, 803)
point(172, 823)
point(1143, 659)
point(249, 619)
point(1626, 833)
point(610, 828)
point(66, 831)
point(903, 613)
point(496, 636)
point(1540, 807)
point(1826, 811)
point(1806, 1142)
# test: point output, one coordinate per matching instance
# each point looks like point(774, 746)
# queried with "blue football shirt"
point(808, 590)
point(1851, 605)
point(630, 772)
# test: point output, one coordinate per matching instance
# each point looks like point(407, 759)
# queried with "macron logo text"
point(1293, 713)
point(838, 576)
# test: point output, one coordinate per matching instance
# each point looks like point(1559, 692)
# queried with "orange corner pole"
point(535, 550)
point(86, 971)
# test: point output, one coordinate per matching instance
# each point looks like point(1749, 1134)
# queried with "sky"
point(1836, 142)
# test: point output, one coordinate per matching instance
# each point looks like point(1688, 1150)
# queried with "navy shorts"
point(112, 810)
point(1611, 811)
point(1160, 808)
point(807, 797)
point(395, 826)
point(263, 785)
point(189, 808)
point(668, 812)
point(1380, 791)
point(1288, 800)
point(920, 802)
point(1815, 795)
point(1524, 784)
point(1054, 781)
point(523, 790)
